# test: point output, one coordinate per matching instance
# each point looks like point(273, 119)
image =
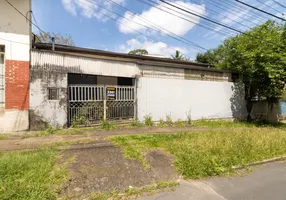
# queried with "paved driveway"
point(267, 182)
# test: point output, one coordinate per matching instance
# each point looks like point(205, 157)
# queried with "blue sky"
point(89, 23)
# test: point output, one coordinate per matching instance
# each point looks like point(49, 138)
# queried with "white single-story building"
point(71, 84)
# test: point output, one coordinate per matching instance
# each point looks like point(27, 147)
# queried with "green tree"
point(260, 59)
point(138, 52)
point(178, 56)
point(59, 39)
point(212, 56)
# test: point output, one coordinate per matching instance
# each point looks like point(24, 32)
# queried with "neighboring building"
point(14, 65)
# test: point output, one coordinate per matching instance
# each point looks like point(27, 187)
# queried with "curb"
point(260, 162)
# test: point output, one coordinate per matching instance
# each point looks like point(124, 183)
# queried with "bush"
point(106, 125)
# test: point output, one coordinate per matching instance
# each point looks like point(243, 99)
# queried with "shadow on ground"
point(103, 168)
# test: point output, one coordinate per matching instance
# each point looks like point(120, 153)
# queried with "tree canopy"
point(59, 39)
point(138, 52)
point(260, 58)
point(178, 56)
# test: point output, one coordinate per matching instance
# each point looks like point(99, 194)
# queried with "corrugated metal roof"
point(137, 59)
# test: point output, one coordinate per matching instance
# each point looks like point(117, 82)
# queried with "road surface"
point(267, 182)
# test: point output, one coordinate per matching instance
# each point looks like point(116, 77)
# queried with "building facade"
point(15, 47)
point(73, 84)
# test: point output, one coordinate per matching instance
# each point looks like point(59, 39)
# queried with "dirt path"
point(19, 144)
point(105, 169)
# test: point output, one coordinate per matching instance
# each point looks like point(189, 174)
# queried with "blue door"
point(283, 107)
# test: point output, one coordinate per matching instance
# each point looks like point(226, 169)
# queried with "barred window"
point(53, 94)
point(2, 73)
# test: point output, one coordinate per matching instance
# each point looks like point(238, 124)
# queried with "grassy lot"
point(228, 124)
point(209, 153)
point(30, 175)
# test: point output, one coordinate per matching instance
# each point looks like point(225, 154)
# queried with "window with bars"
point(53, 94)
point(2, 75)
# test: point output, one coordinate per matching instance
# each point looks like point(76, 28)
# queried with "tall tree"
point(59, 39)
point(260, 60)
point(138, 52)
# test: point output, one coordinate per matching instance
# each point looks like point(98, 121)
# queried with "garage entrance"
point(94, 98)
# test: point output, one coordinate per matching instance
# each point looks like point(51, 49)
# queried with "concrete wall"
point(15, 36)
point(261, 110)
point(49, 70)
point(203, 99)
point(161, 91)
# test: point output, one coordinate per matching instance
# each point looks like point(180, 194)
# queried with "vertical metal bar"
point(88, 98)
point(135, 99)
point(104, 109)
point(81, 93)
point(75, 93)
point(71, 93)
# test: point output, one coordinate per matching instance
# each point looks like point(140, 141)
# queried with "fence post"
point(104, 109)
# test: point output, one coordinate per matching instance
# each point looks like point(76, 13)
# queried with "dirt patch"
point(103, 168)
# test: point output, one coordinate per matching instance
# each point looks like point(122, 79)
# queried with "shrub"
point(148, 120)
point(106, 125)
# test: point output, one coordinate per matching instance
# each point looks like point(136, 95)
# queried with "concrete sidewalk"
point(264, 183)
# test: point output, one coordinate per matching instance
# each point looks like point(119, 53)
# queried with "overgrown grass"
point(224, 123)
point(4, 137)
point(30, 175)
point(208, 153)
point(134, 192)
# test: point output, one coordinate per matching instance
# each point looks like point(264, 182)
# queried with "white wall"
point(17, 47)
point(43, 110)
point(15, 36)
point(205, 99)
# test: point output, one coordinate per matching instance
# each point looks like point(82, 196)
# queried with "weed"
point(180, 123)
point(106, 125)
point(162, 124)
point(209, 153)
point(30, 175)
point(49, 131)
point(189, 117)
point(136, 123)
point(78, 120)
point(4, 137)
point(134, 192)
point(169, 120)
point(148, 120)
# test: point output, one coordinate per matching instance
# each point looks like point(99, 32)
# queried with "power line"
point(125, 25)
point(153, 24)
point(221, 32)
point(14, 41)
point(25, 17)
point(214, 21)
point(189, 42)
point(253, 7)
point(217, 14)
point(200, 16)
point(269, 6)
point(237, 8)
point(280, 4)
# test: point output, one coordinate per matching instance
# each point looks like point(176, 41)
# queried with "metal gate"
point(88, 104)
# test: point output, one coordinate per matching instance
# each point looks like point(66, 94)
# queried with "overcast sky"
point(90, 25)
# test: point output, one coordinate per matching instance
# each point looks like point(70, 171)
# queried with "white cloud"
point(155, 48)
point(163, 19)
point(90, 8)
point(69, 6)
